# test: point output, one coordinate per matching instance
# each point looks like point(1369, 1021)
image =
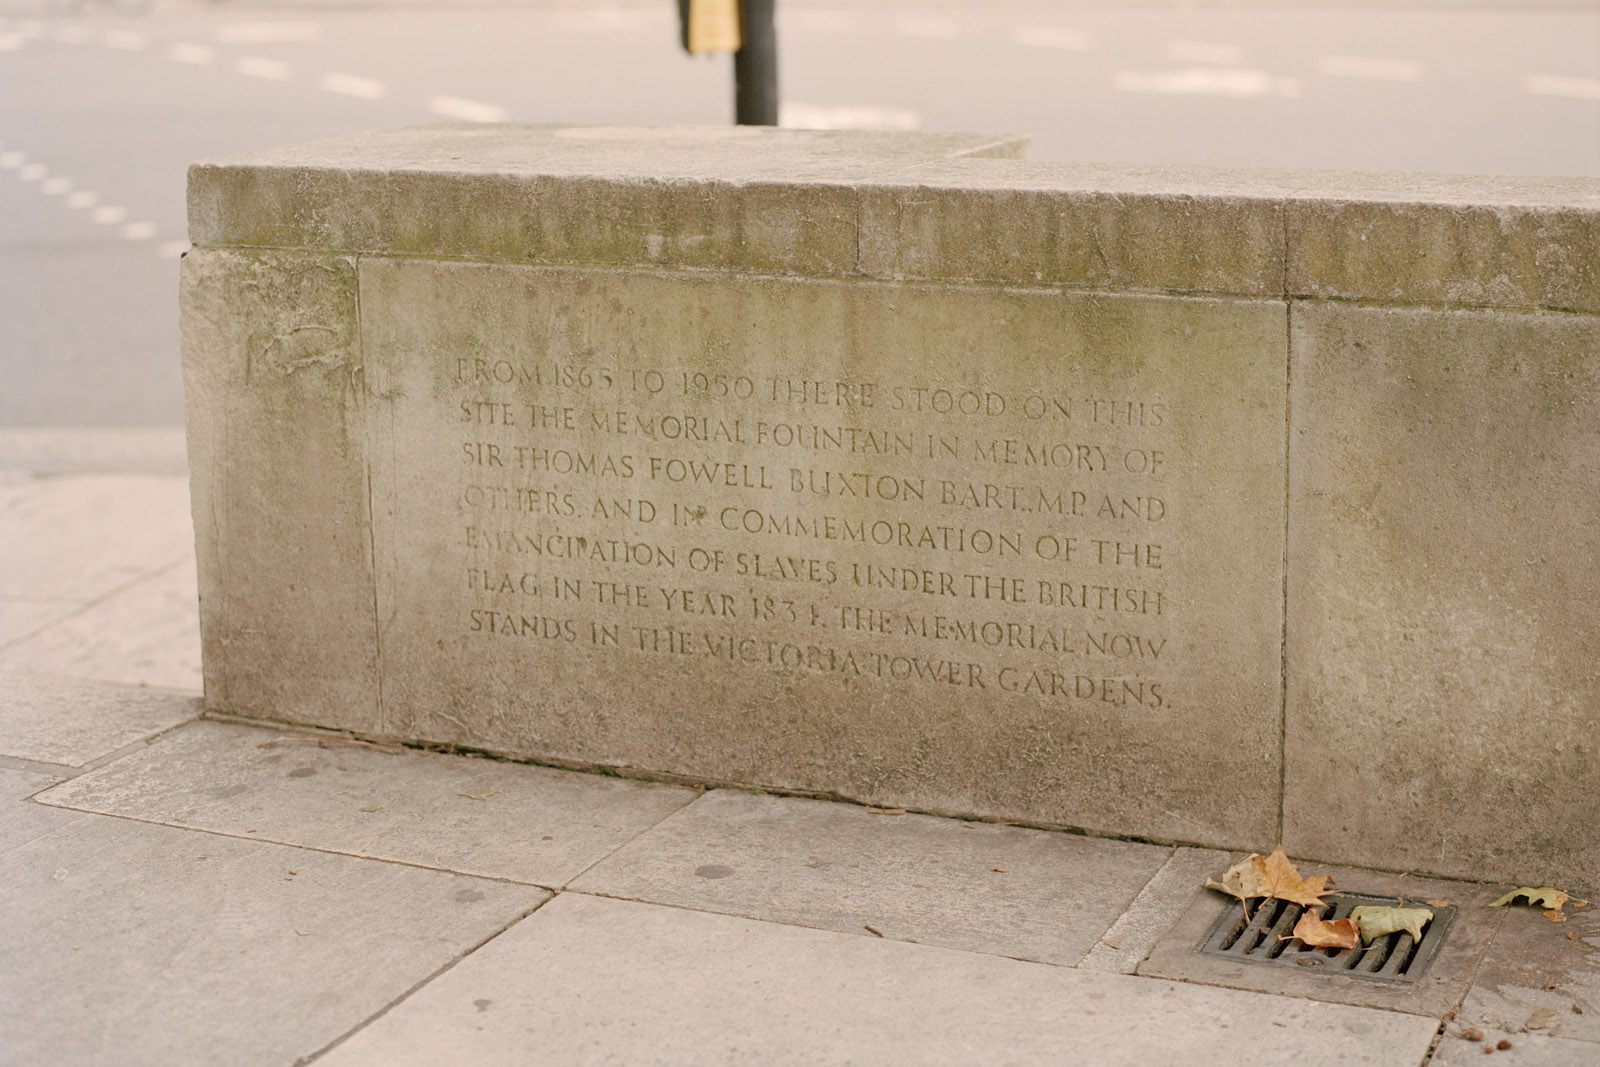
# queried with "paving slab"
point(1440, 990)
point(124, 943)
point(21, 617)
point(72, 722)
point(146, 633)
point(82, 536)
point(1541, 975)
point(1527, 1050)
point(1007, 890)
point(1152, 913)
point(478, 816)
point(21, 819)
point(640, 983)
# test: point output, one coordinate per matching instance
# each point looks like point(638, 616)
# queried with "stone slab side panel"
point(1444, 687)
point(273, 380)
point(1015, 553)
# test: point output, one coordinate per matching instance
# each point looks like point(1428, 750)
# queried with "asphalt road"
point(102, 110)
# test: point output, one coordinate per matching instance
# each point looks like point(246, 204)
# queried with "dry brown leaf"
point(1437, 903)
point(1279, 879)
point(1319, 933)
point(998, 870)
point(1553, 899)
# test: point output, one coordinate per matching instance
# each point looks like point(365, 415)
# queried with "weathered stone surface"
point(125, 943)
point(723, 197)
point(646, 984)
point(1170, 890)
point(72, 722)
point(272, 377)
point(1047, 594)
point(1539, 975)
point(458, 813)
point(1007, 891)
point(1444, 568)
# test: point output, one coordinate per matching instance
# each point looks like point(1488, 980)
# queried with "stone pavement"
point(178, 890)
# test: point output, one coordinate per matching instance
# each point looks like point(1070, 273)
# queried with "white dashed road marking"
point(10, 42)
point(1234, 82)
point(109, 215)
point(1560, 85)
point(1391, 70)
point(456, 107)
point(69, 33)
point(197, 54)
point(56, 186)
point(354, 85)
point(12, 160)
point(261, 67)
point(82, 199)
point(1053, 37)
point(33, 172)
point(139, 231)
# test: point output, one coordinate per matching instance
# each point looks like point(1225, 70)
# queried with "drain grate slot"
point(1264, 937)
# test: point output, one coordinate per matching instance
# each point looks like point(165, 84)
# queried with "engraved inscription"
point(909, 532)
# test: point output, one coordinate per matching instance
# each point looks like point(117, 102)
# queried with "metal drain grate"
point(1265, 939)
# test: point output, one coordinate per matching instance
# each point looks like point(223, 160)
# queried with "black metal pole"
point(755, 66)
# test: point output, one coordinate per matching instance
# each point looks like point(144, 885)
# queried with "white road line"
point(187, 52)
point(1233, 82)
point(1224, 55)
point(12, 160)
point(71, 33)
point(125, 40)
point(31, 29)
point(33, 172)
point(56, 186)
point(1052, 37)
point(268, 32)
point(109, 215)
point(354, 85)
point(1561, 85)
point(261, 67)
point(456, 107)
point(10, 42)
point(82, 199)
point(795, 115)
point(139, 231)
point(925, 26)
point(172, 249)
point(1369, 67)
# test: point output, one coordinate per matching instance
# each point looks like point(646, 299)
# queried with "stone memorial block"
point(1200, 505)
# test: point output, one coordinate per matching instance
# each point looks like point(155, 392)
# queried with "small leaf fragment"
point(479, 794)
point(371, 809)
point(998, 870)
point(1550, 897)
point(1376, 922)
point(1240, 880)
point(1319, 933)
point(303, 931)
point(1543, 1019)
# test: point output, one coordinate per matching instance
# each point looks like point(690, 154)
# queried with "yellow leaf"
point(1375, 922)
point(1318, 933)
point(1240, 880)
point(1279, 879)
point(1553, 899)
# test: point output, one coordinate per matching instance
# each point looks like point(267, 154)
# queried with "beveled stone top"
point(919, 206)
